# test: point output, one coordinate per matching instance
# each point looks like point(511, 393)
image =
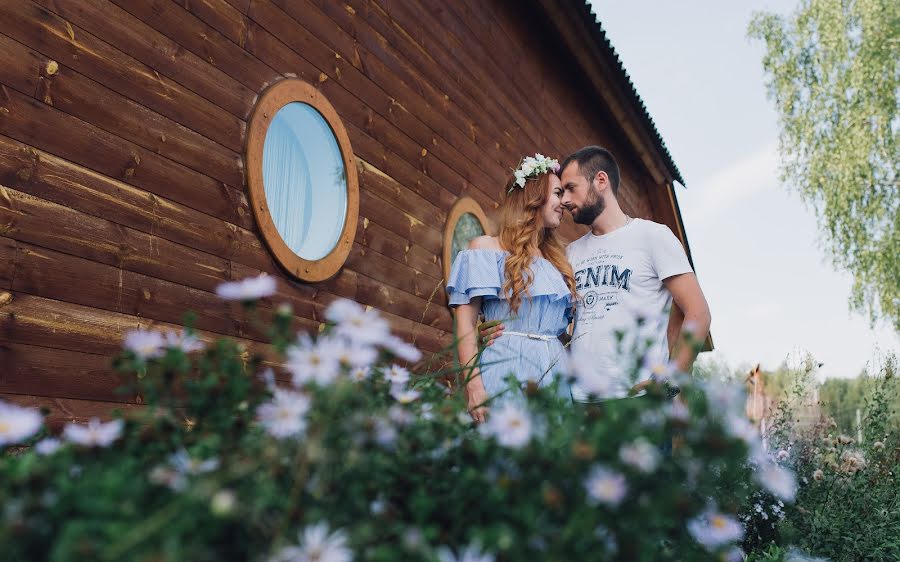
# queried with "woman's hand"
point(476, 398)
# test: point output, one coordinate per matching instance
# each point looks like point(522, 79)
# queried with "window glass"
point(467, 227)
point(305, 180)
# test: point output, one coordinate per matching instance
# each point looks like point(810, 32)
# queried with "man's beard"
point(587, 213)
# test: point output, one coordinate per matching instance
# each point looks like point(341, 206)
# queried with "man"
point(623, 265)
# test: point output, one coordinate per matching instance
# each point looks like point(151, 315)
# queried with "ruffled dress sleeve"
point(475, 273)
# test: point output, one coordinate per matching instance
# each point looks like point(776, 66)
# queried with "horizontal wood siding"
point(122, 185)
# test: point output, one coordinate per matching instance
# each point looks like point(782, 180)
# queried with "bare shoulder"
point(484, 243)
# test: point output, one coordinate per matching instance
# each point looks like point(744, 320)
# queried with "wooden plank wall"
point(122, 193)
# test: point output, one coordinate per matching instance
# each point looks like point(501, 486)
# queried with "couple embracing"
point(527, 279)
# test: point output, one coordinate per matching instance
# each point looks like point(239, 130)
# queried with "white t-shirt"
point(617, 275)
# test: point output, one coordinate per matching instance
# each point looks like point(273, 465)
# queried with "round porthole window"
point(302, 180)
point(465, 221)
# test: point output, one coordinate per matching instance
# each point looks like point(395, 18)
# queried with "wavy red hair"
point(523, 235)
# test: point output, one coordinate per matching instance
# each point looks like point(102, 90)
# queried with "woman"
point(521, 277)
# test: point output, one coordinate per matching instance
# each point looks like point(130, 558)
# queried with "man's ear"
point(601, 181)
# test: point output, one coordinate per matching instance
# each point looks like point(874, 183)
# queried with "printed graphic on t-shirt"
point(600, 280)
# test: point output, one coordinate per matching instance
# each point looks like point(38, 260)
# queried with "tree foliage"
point(832, 71)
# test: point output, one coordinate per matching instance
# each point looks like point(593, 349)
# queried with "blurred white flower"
point(47, 446)
point(94, 434)
point(357, 324)
point(285, 415)
point(169, 477)
point(605, 486)
point(400, 416)
point(780, 481)
point(18, 423)
point(397, 375)
point(145, 344)
point(360, 374)
point(472, 553)
point(401, 349)
point(313, 361)
point(351, 354)
point(737, 425)
point(640, 454)
point(588, 377)
point(317, 544)
point(878, 446)
point(385, 433)
point(676, 410)
point(714, 530)
point(179, 339)
point(182, 462)
point(249, 289)
point(510, 424)
point(796, 555)
point(222, 502)
point(657, 370)
point(405, 396)
point(725, 397)
point(378, 506)
point(782, 455)
point(428, 411)
point(733, 554)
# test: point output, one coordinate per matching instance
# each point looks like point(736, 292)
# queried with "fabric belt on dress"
point(542, 337)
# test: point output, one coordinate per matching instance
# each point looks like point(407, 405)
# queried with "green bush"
point(848, 503)
point(349, 460)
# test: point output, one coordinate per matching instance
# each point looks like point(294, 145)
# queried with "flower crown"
point(532, 167)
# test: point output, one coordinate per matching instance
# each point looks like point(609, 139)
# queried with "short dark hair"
point(593, 159)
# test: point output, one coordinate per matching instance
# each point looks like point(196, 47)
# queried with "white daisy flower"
point(605, 486)
point(249, 289)
point(285, 415)
point(17, 423)
point(733, 554)
point(310, 361)
point(405, 396)
point(188, 343)
point(780, 481)
point(401, 349)
point(356, 323)
point(360, 374)
point(471, 553)
point(511, 425)
point(168, 477)
point(95, 433)
point(47, 446)
point(352, 355)
point(145, 344)
point(182, 462)
point(397, 375)
point(400, 416)
point(714, 530)
point(588, 377)
point(317, 544)
point(737, 425)
point(385, 434)
point(640, 454)
point(428, 411)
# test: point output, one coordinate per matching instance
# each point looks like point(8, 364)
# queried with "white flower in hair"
point(533, 166)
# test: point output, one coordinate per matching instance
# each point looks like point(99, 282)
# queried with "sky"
point(755, 244)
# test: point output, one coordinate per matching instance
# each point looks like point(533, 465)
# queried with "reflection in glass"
point(305, 181)
point(467, 227)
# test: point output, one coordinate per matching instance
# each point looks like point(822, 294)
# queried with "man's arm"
point(689, 299)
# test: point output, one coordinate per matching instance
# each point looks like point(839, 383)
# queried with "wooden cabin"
point(133, 162)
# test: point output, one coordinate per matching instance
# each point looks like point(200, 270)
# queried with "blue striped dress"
point(528, 348)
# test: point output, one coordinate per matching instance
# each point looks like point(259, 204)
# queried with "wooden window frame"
point(462, 206)
point(272, 100)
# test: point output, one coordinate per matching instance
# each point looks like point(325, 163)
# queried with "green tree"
point(832, 71)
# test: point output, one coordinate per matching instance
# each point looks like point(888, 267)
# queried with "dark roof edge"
point(605, 45)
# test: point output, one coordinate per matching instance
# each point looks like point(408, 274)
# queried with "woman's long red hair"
point(523, 236)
